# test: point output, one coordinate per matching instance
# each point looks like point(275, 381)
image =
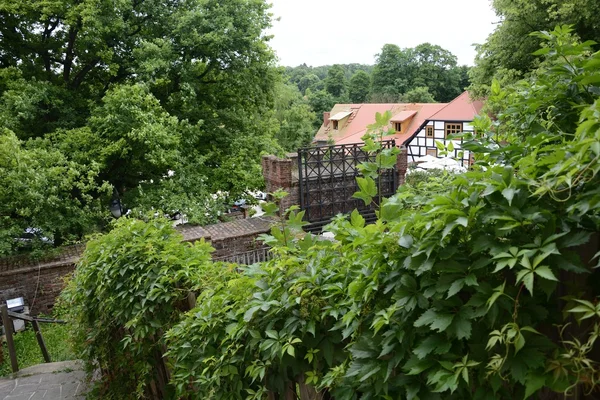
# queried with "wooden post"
point(8, 329)
point(40, 339)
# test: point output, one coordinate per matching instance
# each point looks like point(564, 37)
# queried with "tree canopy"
point(132, 90)
point(359, 87)
point(507, 55)
point(398, 71)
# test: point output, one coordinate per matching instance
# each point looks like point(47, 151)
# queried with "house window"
point(452, 128)
point(431, 152)
point(335, 125)
point(429, 131)
point(398, 126)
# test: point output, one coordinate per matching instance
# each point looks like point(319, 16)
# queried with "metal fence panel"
point(327, 180)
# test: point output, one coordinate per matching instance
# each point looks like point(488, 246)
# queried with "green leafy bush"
point(130, 286)
point(473, 293)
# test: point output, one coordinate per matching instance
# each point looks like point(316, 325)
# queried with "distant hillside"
point(296, 73)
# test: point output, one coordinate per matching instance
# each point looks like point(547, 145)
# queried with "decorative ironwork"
point(327, 181)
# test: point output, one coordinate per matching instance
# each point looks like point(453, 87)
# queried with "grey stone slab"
point(56, 381)
point(39, 395)
point(69, 390)
point(8, 384)
point(23, 389)
point(48, 385)
point(29, 380)
point(25, 396)
point(54, 393)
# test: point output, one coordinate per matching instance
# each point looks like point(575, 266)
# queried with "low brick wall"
point(239, 236)
point(40, 282)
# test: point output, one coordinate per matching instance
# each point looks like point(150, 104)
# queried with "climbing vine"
point(482, 289)
point(471, 286)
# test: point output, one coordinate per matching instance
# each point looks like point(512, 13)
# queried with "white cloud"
point(321, 32)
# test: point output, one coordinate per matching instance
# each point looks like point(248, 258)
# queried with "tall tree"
point(335, 83)
point(507, 54)
point(133, 89)
point(310, 81)
point(294, 117)
point(417, 95)
point(360, 87)
point(320, 101)
point(392, 73)
point(43, 192)
point(436, 68)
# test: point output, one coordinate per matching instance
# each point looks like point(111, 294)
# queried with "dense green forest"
point(424, 74)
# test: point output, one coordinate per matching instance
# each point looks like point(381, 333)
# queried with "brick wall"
point(239, 236)
point(402, 164)
point(40, 286)
point(282, 173)
point(40, 282)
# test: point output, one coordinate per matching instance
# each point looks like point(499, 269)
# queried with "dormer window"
point(340, 116)
point(398, 126)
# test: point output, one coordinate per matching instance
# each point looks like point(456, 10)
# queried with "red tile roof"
point(403, 116)
point(424, 114)
point(459, 109)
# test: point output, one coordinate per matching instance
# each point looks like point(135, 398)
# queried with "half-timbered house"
point(415, 125)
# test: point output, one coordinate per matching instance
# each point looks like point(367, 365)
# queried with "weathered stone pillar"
point(402, 164)
point(282, 173)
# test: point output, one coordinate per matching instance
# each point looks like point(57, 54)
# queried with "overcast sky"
point(322, 32)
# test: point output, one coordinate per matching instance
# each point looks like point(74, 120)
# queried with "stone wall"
point(235, 237)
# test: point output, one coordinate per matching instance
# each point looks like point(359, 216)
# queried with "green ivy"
point(475, 289)
point(131, 286)
point(472, 286)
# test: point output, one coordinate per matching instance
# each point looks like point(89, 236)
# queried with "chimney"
point(326, 116)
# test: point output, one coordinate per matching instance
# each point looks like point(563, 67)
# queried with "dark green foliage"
point(400, 71)
point(359, 87)
point(41, 188)
point(320, 102)
point(335, 82)
point(130, 286)
point(391, 74)
point(417, 95)
point(507, 55)
point(128, 91)
point(295, 118)
point(455, 294)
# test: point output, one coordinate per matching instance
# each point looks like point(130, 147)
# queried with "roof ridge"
point(452, 101)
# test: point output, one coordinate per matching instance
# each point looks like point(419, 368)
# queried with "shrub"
point(473, 293)
point(130, 286)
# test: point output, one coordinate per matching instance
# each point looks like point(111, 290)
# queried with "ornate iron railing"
point(327, 180)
